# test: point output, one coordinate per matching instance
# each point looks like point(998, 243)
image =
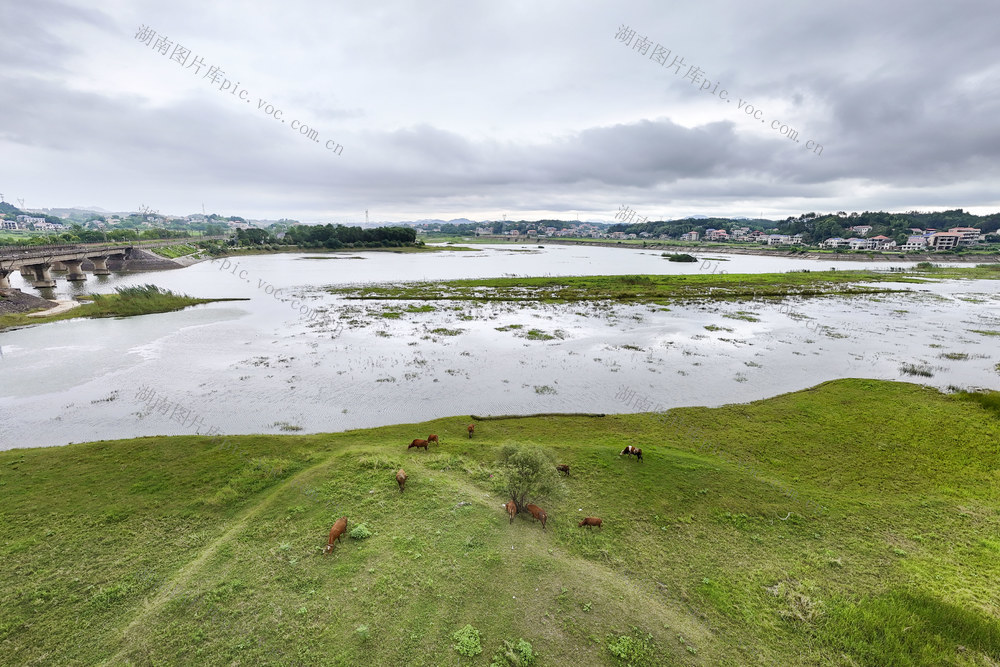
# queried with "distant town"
point(947, 231)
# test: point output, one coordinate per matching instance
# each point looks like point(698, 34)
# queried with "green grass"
point(853, 523)
point(173, 251)
point(126, 302)
point(659, 288)
point(680, 257)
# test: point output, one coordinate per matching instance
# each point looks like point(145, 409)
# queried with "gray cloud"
point(471, 110)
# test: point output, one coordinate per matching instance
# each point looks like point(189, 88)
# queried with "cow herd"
point(537, 513)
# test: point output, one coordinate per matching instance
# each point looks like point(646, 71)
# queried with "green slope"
point(852, 523)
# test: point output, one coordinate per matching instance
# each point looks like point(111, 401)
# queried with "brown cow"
point(401, 479)
point(632, 451)
point(563, 468)
point(511, 508)
point(419, 443)
point(538, 513)
point(433, 438)
point(591, 521)
point(471, 428)
point(336, 533)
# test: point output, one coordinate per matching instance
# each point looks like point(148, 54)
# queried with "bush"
point(361, 532)
point(680, 257)
point(467, 642)
point(527, 472)
point(633, 650)
point(515, 655)
point(635, 280)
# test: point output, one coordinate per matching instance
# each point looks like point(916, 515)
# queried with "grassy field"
point(663, 288)
point(855, 523)
point(126, 302)
point(173, 251)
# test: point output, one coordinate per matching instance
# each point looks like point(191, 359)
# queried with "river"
point(259, 366)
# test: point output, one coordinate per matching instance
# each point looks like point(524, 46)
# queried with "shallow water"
point(260, 367)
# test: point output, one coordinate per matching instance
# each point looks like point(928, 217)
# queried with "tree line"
point(817, 228)
point(332, 236)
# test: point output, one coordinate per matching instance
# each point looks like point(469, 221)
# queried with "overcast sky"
point(462, 108)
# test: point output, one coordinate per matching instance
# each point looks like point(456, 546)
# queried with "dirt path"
point(61, 307)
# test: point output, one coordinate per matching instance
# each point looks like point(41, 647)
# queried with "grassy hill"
point(855, 523)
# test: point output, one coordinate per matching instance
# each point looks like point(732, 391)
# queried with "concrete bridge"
point(36, 262)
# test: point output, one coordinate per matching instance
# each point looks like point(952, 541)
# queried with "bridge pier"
point(76, 274)
point(100, 265)
point(4, 283)
point(38, 275)
point(57, 266)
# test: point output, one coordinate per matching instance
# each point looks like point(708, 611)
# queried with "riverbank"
point(60, 307)
point(296, 250)
point(15, 301)
point(836, 523)
point(704, 248)
point(128, 302)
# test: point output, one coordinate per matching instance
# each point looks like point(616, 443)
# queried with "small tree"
point(527, 473)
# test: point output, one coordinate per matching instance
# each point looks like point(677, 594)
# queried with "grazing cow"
point(336, 533)
point(563, 468)
point(630, 450)
point(538, 513)
point(591, 521)
point(433, 438)
point(419, 443)
point(511, 508)
point(401, 479)
point(471, 428)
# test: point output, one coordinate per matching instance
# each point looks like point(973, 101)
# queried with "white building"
point(944, 240)
point(967, 235)
point(690, 236)
point(9, 224)
point(915, 243)
point(883, 242)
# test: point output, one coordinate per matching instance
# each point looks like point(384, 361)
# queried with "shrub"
point(680, 257)
point(635, 280)
point(361, 532)
point(631, 649)
point(515, 655)
point(467, 642)
point(526, 472)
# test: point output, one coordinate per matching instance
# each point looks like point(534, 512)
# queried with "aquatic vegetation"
point(912, 369)
point(744, 315)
